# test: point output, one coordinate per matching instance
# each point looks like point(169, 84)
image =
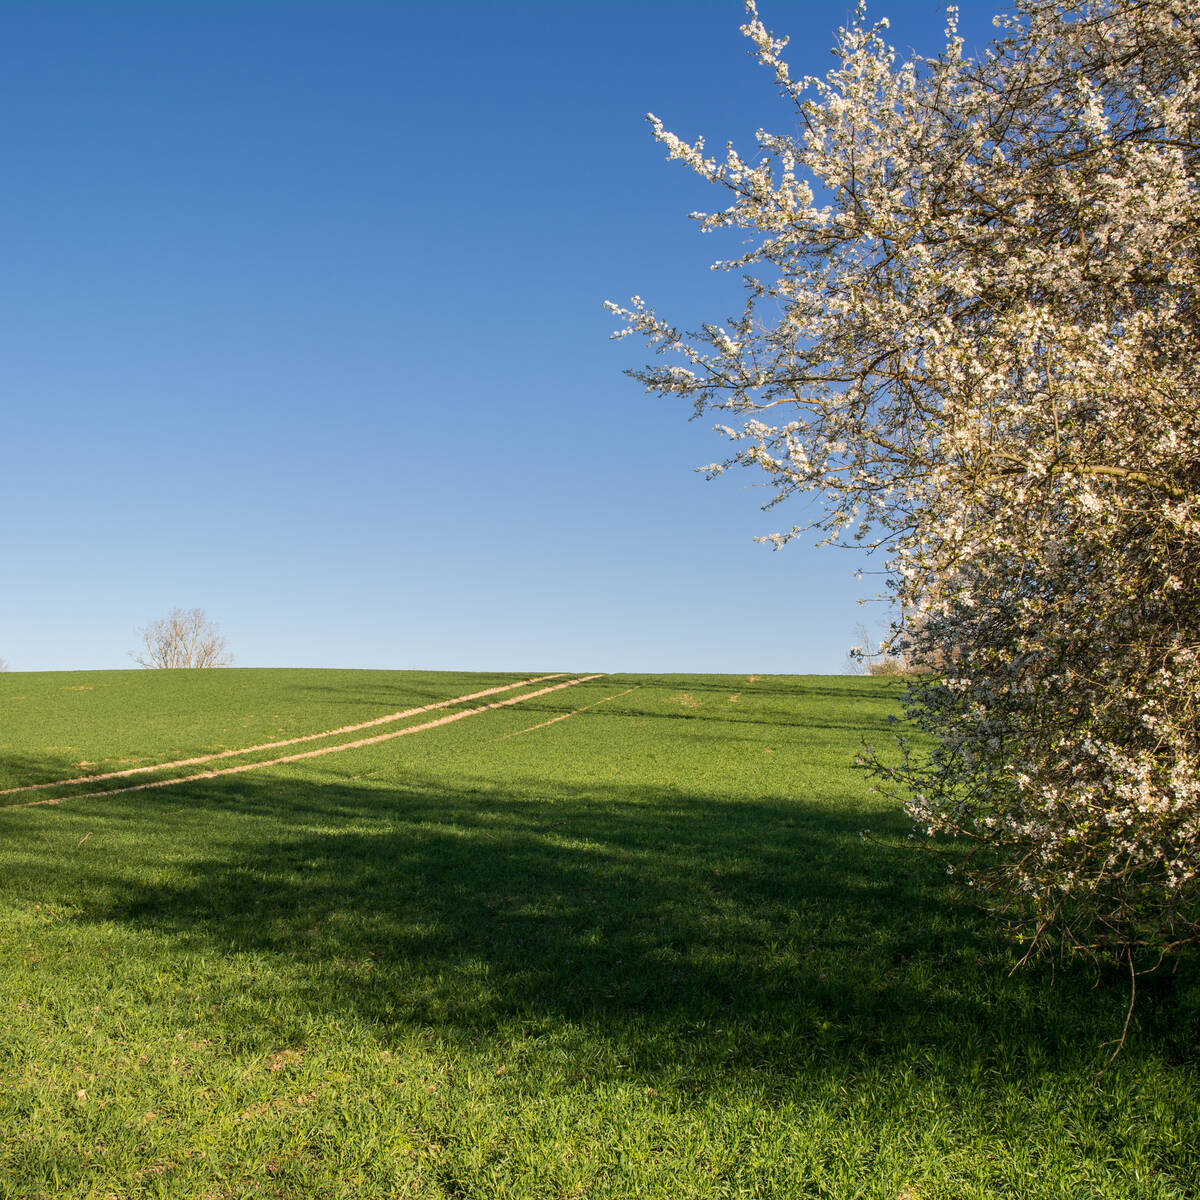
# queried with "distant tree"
point(185, 638)
point(871, 656)
point(3, 665)
point(892, 655)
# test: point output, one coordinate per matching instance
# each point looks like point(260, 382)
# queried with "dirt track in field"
point(573, 713)
point(308, 737)
point(289, 758)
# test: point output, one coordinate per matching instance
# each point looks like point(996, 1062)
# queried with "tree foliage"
point(971, 337)
point(185, 638)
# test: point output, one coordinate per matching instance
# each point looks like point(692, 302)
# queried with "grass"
point(60, 724)
point(640, 952)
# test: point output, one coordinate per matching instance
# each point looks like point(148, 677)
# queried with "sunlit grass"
point(643, 951)
point(57, 725)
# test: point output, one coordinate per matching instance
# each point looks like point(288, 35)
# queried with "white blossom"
point(982, 358)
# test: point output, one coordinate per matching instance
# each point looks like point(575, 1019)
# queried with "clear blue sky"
point(302, 325)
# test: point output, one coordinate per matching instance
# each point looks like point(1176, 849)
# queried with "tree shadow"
point(24, 770)
point(717, 940)
point(386, 691)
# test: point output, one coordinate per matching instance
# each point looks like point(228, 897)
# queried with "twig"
point(1128, 1015)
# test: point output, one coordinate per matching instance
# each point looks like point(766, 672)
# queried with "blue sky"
point(301, 323)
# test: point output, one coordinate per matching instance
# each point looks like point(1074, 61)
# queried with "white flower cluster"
point(984, 351)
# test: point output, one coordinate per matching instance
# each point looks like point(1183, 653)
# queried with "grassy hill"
point(618, 939)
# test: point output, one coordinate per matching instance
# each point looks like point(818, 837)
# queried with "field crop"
point(62, 724)
point(640, 951)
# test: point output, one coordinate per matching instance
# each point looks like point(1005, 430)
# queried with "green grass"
point(60, 724)
point(640, 952)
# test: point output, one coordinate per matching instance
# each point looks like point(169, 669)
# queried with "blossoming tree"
point(971, 337)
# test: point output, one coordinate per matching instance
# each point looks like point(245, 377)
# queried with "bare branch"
point(184, 638)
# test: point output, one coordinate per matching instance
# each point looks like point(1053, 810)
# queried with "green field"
point(640, 952)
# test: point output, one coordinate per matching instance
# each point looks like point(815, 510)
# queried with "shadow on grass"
point(403, 690)
point(25, 771)
point(717, 941)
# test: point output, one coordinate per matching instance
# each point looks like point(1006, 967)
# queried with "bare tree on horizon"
point(185, 638)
